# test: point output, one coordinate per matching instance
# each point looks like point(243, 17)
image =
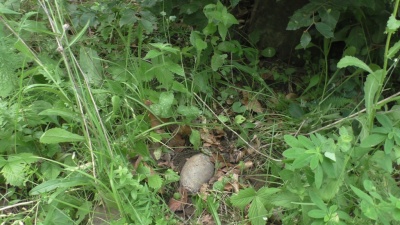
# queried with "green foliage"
point(258, 200)
point(76, 99)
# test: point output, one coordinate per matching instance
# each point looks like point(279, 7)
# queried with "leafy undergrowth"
point(102, 103)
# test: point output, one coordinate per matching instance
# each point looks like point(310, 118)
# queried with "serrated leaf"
point(393, 50)
point(58, 135)
point(175, 68)
point(127, 17)
point(189, 111)
point(152, 54)
point(371, 86)
point(353, 61)
point(324, 29)
point(14, 173)
point(155, 181)
point(257, 212)
point(265, 193)
point(217, 61)
point(243, 198)
point(393, 24)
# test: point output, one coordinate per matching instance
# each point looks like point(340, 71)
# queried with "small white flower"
point(66, 26)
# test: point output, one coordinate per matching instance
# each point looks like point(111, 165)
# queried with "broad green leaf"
point(257, 212)
point(372, 140)
point(58, 135)
point(14, 167)
point(175, 68)
point(388, 146)
point(50, 170)
point(313, 81)
point(316, 213)
point(268, 52)
point(302, 161)
point(284, 199)
point(163, 107)
point(210, 29)
point(393, 24)
point(353, 61)
point(265, 193)
point(369, 210)
point(217, 61)
point(4, 10)
point(222, 30)
point(292, 141)
point(154, 181)
point(330, 155)
point(195, 139)
point(318, 176)
point(295, 110)
point(364, 196)
point(383, 160)
point(393, 50)
point(329, 17)
point(64, 113)
point(50, 185)
point(314, 162)
point(228, 19)
point(197, 41)
point(324, 29)
point(317, 200)
point(191, 112)
point(307, 143)
point(179, 87)
point(152, 54)
point(90, 63)
point(127, 17)
point(239, 119)
point(293, 153)
point(305, 39)
point(22, 47)
point(243, 198)
point(384, 120)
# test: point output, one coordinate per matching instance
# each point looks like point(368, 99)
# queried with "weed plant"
point(88, 88)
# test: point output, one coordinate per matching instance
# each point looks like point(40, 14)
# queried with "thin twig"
point(354, 114)
point(16, 205)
